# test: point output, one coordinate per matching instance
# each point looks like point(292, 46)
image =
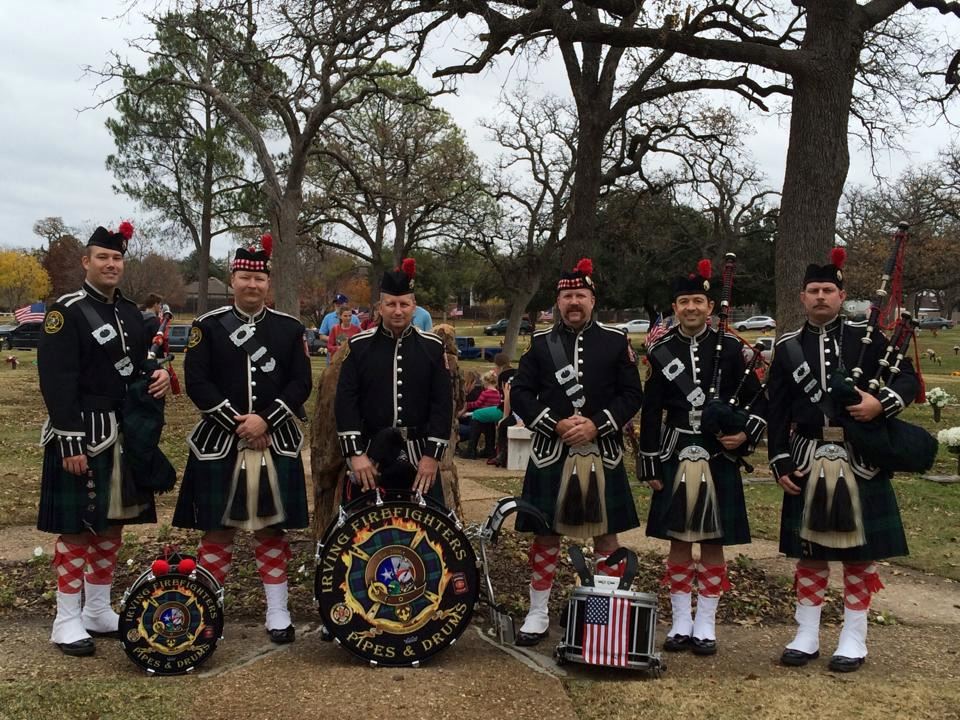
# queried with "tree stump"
point(328, 467)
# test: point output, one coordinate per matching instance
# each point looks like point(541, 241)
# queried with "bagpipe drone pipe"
point(884, 442)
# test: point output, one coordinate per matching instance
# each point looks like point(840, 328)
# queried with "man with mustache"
point(576, 388)
point(835, 505)
point(694, 473)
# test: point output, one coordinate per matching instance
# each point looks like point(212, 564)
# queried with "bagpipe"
point(729, 416)
point(885, 442)
point(148, 469)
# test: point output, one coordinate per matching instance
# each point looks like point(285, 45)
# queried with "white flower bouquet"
point(950, 437)
point(938, 397)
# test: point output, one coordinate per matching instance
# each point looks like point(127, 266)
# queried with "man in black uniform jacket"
point(684, 464)
point(93, 346)
point(576, 387)
point(395, 379)
point(836, 506)
point(248, 372)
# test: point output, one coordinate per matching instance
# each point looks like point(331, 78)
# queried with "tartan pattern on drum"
point(541, 486)
point(731, 507)
point(881, 524)
point(205, 490)
point(65, 503)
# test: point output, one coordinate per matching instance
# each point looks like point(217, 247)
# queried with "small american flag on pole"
point(30, 313)
point(606, 623)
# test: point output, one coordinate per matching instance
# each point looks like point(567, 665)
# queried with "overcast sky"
point(52, 154)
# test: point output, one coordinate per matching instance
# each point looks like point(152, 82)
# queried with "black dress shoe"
point(112, 634)
point(80, 648)
point(287, 635)
point(797, 658)
point(839, 663)
point(525, 639)
point(677, 643)
point(703, 647)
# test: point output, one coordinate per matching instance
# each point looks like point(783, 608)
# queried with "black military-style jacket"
point(676, 355)
point(398, 382)
point(80, 384)
point(790, 407)
point(605, 367)
point(223, 378)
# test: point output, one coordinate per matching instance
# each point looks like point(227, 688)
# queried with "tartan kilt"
point(731, 506)
point(542, 485)
point(65, 503)
point(881, 524)
point(205, 490)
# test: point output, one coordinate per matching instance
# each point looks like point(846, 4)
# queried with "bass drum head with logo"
point(171, 623)
point(397, 581)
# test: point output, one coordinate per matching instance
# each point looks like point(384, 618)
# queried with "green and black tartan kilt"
point(731, 507)
point(68, 504)
point(881, 525)
point(205, 490)
point(542, 485)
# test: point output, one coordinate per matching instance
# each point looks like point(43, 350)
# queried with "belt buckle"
point(833, 434)
point(694, 417)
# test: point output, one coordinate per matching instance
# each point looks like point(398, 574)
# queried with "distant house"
point(218, 294)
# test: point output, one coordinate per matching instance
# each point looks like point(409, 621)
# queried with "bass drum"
point(172, 616)
point(397, 579)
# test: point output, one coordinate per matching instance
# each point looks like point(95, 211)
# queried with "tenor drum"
point(611, 627)
point(172, 616)
point(397, 579)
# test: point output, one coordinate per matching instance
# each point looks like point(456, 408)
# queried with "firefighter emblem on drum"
point(396, 582)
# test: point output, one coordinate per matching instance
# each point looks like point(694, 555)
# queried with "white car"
point(757, 322)
point(634, 326)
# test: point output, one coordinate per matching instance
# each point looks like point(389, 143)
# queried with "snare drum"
point(171, 621)
point(611, 627)
point(396, 579)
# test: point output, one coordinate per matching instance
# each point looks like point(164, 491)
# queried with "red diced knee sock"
point(860, 581)
point(712, 580)
point(102, 559)
point(810, 584)
point(543, 565)
point(272, 554)
point(69, 560)
point(679, 577)
point(215, 558)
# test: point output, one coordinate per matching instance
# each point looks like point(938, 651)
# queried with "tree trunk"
point(818, 157)
point(286, 267)
point(584, 194)
point(520, 298)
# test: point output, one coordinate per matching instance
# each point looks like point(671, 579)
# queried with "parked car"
point(500, 327)
point(24, 336)
point(5, 330)
point(467, 348)
point(757, 322)
point(936, 323)
point(178, 337)
point(634, 326)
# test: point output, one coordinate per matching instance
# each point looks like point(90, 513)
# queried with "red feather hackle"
point(584, 266)
point(838, 256)
point(266, 242)
point(705, 268)
point(409, 267)
point(126, 229)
